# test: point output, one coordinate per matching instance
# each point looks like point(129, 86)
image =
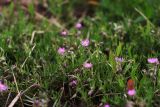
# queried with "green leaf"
point(112, 61)
point(119, 49)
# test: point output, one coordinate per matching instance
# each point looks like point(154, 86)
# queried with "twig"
point(51, 20)
point(28, 56)
point(157, 91)
point(155, 75)
point(33, 34)
point(7, 99)
point(15, 81)
point(107, 94)
point(15, 100)
point(19, 95)
point(29, 88)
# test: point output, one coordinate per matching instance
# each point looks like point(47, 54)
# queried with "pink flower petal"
point(64, 33)
point(87, 65)
point(78, 26)
point(153, 60)
point(73, 83)
point(3, 87)
point(131, 92)
point(106, 105)
point(61, 50)
point(119, 59)
point(85, 42)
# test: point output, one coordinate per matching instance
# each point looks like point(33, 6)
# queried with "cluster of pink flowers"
point(85, 42)
point(119, 59)
point(61, 50)
point(73, 83)
point(64, 33)
point(3, 87)
point(131, 92)
point(78, 26)
point(106, 105)
point(87, 65)
point(153, 60)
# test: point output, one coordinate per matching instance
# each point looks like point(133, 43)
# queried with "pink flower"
point(153, 60)
point(61, 50)
point(87, 65)
point(106, 105)
point(73, 83)
point(3, 87)
point(64, 33)
point(131, 92)
point(36, 103)
point(85, 42)
point(119, 59)
point(78, 26)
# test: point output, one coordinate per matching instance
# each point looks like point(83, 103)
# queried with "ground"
point(62, 53)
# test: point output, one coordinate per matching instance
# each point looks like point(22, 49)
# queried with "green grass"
point(126, 28)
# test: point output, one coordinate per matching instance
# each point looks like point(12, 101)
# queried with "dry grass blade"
point(15, 81)
point(52, 20)
point(7, 99)
point(15, 100)
point(19, 95)
point(33, 35)
point(28, 56)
